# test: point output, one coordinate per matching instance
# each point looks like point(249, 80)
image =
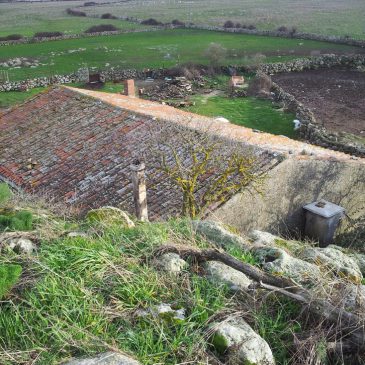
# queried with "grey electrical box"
point(321, 221)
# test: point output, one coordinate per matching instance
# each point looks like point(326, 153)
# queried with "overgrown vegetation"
point(47, 34)
point(101, 28)
point(9, 275)
point(11, 37)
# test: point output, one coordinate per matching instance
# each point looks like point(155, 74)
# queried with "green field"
point(336, 17)
point(154, 49)
point(249, 112)
point(29, 18)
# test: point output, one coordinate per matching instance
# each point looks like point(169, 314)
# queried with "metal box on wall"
point(321, 221)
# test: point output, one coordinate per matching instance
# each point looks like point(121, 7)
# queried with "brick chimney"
point(129, 89)
point(139, 190)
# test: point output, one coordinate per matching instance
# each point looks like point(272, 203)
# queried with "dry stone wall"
point(310, 129)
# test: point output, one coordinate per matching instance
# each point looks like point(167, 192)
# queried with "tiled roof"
point(79, 148)
point(78, 145)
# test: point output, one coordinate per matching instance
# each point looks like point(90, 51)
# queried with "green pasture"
point(163, 48)
point(249, 112)
point(29, 18)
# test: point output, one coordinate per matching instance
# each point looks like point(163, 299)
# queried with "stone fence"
point(270, 33)
point(310, 129)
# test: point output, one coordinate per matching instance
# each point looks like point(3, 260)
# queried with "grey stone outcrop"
point(360, 260)
point(242, 344)
point(171, 263)
point(110, 216)
point(278, 261)
point(106, 358)
point(217, 272)
point(335, 261)
point(215, 232)
point(19, 245)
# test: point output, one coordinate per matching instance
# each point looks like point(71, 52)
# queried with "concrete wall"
point(288, 187)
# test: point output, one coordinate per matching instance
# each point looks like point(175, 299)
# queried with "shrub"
point(108, 16)
point(293, 30)
point(47, 34)
point(151, 21)
point(251, 27)
point(90, 3)
point(19, 221)
point(11, 37)
point(228, 24)
point(282, 29)
point(215, 53)
point(177, 22)
point(9, 275)
point(5, 193)
point(101, 28)
point(238, 25)
point(75, 12)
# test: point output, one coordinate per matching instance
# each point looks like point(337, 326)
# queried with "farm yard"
point(155, 49)
point(336, 97)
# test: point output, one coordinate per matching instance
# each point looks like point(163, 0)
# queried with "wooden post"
point(139, 190)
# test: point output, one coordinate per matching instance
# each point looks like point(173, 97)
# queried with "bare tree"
point(207, 168)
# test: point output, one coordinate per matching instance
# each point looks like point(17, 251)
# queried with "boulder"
point(353, 297)
point(220, 235)
point(278, 261)
point(334, 260)
point(360, 260)
point(171, 263)
point(241, 343)
point(162, 311)
point(106, 358)
point(223, 274)
point(263, 238)
point(110, 216)
point(19, 245)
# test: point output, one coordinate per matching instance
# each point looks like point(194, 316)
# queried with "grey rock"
point(278, 261)
point(163, 311)
point(243, 344)
point(76, 234)
point(20, 245)
point(218, 234)
point(224, 274)
point(263, 238)
point(334, 260)
point(171, 263)
point(106, 358)
point(354, 298)
point(110, 216)
point(360, 260)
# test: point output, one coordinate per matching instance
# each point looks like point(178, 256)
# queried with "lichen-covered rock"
point(360, 260)
point(171, 263)
point(354, 298)
point(218, 234)
point(110, 216)
point(242, 344)
point(278, 261)
point(263, 238)
point(334, 260)
point(162, 311)
point(106, 358)
point(19, 245)
point(217, 272)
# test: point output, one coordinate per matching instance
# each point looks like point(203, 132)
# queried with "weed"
point(9, 275)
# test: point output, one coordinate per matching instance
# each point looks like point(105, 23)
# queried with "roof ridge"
point(266, 141)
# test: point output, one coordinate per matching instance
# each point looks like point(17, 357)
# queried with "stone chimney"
point(139, 190)
point(129, 89)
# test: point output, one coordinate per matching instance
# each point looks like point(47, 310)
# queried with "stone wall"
point(292, 184)
point(310, 129)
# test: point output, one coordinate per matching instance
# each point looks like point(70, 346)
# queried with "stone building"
point(78, 145)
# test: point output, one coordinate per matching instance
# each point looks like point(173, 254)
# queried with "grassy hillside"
point(154, 49)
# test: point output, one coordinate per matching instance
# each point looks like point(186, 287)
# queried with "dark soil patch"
point(336, 97)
